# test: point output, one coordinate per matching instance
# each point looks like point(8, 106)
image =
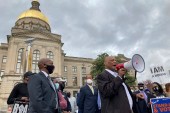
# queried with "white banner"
point(20, 108)
point(159, 74)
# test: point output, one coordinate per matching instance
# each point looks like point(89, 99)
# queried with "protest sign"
point(20, 107)
point(160, 74)
point(160, 105)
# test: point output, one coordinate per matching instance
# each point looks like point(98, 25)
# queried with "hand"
point(66, 112)
point(149, 103)
point(24, 98)
point(140, 95)
point(149, 85)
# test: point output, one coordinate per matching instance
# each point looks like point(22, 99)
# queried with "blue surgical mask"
point(57, 85)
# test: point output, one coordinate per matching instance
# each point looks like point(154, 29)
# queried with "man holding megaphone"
point(116, 96)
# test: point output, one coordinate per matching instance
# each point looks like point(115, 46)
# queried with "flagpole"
point(28, 57)
point(29, 54)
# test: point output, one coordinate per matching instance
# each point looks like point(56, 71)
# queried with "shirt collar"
point(89, 85)
point(45, 73)
point(111, 72)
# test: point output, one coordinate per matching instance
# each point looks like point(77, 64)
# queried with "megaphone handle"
point(135, 74)
point(134, 78)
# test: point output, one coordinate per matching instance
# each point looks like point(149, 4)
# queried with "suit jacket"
point(42, 95)
point(87, 101)
point(113, 94)
point(142, 106)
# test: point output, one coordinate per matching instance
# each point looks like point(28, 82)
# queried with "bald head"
point(46, 65)
point(89, 76)
point(110, 63)
point(43, 61)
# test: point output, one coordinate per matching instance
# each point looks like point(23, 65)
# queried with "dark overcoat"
point(142, 106)
point(113, 95)
point(87, 101)
point(42, 94)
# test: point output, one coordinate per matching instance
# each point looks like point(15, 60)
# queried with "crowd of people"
point(46, 94)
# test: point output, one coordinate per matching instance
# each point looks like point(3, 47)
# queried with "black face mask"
point(62, 86)
point(155, 89)
point(50, 68)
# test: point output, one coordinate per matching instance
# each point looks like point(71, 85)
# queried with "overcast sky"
point(91, 27)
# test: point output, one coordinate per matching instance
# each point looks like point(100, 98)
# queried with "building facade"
point(32, 34)
point(30, 40)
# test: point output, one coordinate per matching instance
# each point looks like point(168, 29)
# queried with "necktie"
point(91, 87)
point(52, 84)
point(145, 96)
point(99, 101)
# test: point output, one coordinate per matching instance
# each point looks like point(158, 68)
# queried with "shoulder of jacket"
point(36, 76)
point(83, 87)
point(18, 85)
point(95, 87)
point(103, 73)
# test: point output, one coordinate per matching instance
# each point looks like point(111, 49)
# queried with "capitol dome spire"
point(35, 5)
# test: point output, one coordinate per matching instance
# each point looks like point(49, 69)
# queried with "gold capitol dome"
point(34, 12)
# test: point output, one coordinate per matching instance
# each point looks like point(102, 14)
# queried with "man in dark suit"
point(116, 96)
point(42, 92)
point(143, 105)
point(87, 98)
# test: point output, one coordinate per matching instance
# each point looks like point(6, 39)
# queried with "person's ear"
point(45, 65)
point(105, 63)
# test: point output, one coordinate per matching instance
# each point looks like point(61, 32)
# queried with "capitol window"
point(1, 73)
point(65, 68)
point(50, 55)
point(4, 59)
point(74, 79)
point(83, 69)
point(20, 61)
point(74, 69)
point(36, 58)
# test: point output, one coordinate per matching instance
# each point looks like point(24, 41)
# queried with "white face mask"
point(89, 81)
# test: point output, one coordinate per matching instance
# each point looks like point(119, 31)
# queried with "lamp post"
point(81, 74)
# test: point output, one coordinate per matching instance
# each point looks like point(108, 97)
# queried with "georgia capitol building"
point(31, 35)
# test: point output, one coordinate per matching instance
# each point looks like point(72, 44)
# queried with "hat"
point(140, 84)
point(27, 74)
point(60, 80)
point(119, 66)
